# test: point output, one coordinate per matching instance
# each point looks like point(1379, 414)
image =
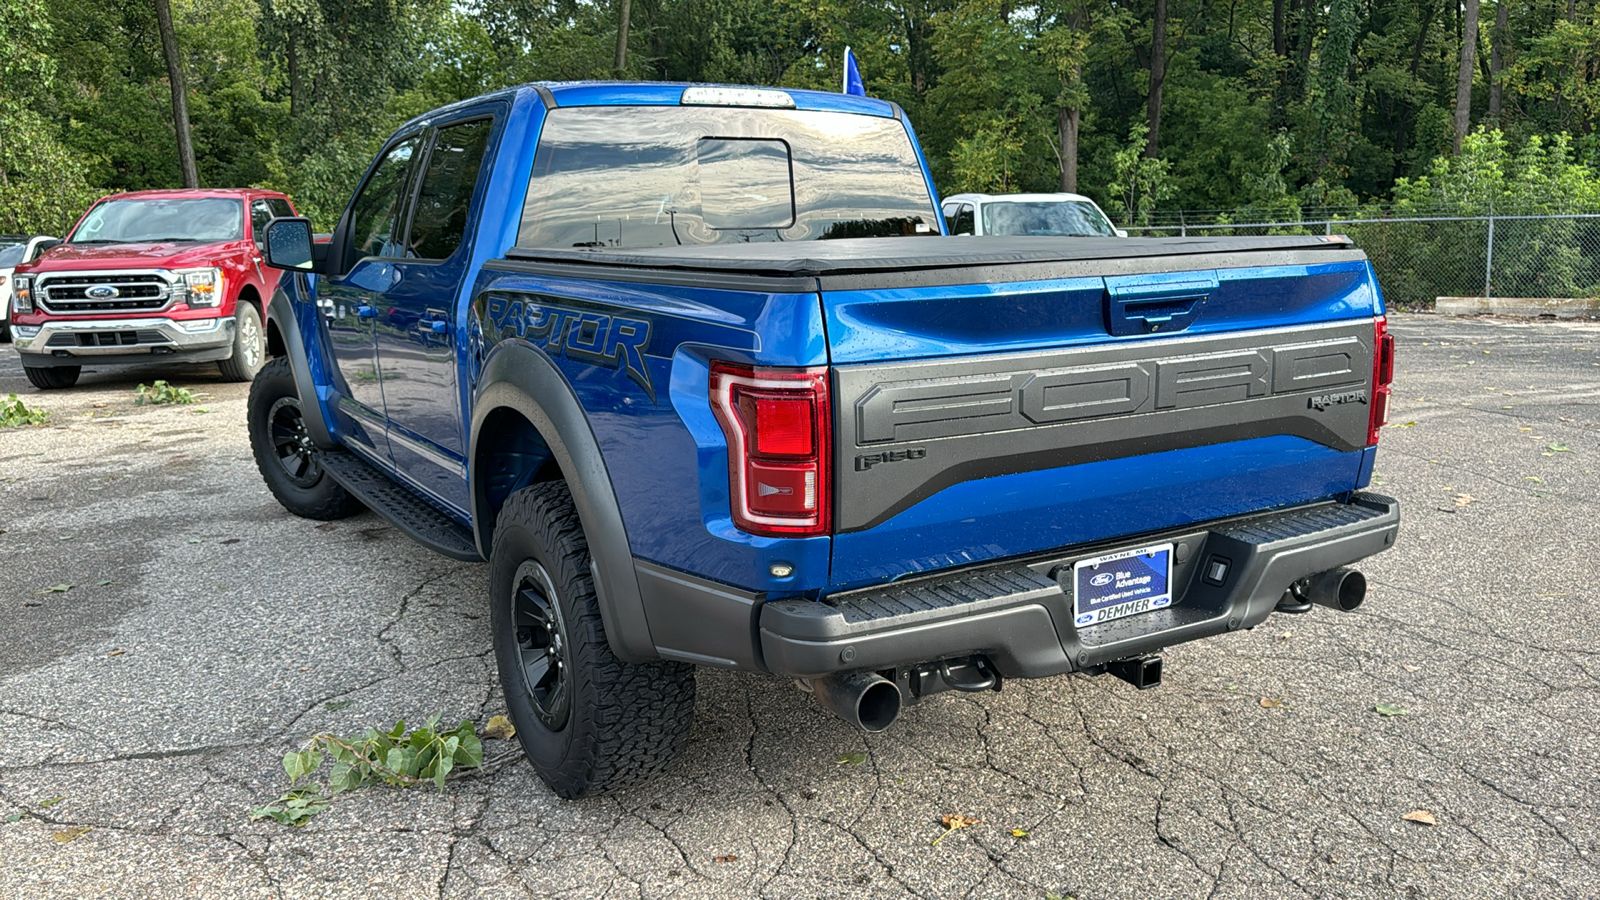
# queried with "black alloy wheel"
point(285, 454)
point(291, 443)
point(541, 649)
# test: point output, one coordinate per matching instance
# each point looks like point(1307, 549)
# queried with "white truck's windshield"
point(1063, 217)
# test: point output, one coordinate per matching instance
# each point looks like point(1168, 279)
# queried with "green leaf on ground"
point(1558, 448)
point(852, 758)
point(336, 705)
point(1389, 709)
point(15, 817)
point(55, 589)
point(293, 808)
point(46, 804)
point(71, 834)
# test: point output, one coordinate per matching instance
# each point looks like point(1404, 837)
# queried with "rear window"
point(660, 176)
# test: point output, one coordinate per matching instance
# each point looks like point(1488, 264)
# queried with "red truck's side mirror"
point(289, 245)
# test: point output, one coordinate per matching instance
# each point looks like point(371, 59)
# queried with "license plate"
point(1122, 584)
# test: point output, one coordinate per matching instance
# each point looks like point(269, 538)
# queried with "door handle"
point(367, 312)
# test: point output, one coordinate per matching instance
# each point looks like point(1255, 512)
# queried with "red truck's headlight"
point(1382, 376)
point(203, 286)
point(22, 293)
point(777, 422)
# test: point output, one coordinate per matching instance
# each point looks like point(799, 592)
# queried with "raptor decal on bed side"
point(588, 336)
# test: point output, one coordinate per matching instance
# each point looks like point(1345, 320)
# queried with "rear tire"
point(50, 378)
point(284, 452)
point(249, 345)
point(588, 721)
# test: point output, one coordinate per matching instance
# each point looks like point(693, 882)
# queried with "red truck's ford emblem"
point(101, 292)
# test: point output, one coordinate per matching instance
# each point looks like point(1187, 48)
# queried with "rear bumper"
point(73, 342)
point(1020, 616)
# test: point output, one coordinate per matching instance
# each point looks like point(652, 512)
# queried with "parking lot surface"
point(169, 632)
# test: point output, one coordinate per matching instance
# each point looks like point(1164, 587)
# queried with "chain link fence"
point(1420, 259)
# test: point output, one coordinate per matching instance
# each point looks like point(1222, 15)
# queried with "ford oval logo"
point(101, 292)
point(1103, 579)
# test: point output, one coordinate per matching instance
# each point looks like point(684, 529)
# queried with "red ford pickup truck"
point(172, 275)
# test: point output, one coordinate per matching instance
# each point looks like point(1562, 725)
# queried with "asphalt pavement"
point(167, 632)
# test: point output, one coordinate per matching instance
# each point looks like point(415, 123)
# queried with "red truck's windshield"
point(659, 176)
point(160, 219)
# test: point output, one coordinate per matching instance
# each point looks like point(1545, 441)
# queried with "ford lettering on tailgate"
point(978, 404)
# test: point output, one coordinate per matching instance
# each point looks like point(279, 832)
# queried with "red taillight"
point(1382, 376)
point(777, 422)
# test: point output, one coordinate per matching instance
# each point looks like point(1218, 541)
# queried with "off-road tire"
point(249, 345)
point(284, 454)
point(50, 378)
point(623, 722)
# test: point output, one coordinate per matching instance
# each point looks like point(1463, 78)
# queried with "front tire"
point(588, 722)
point(50, 378)
point(284, 452)
point(249, 345)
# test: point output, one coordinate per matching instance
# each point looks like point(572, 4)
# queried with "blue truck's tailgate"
point(989, 414)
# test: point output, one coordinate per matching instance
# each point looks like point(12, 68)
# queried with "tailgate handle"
point(1146, 304)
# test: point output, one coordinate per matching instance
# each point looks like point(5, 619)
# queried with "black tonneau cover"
point(817, 259)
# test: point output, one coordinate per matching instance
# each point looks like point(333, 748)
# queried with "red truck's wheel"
point(284, 452)
point(52, 377)
point(588, 721)
point(249, 345)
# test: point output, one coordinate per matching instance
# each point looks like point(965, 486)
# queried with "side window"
point(260, 215)
point(448, 180)
point(280, 207)
point(949, 213)
point(375, 222)
point(963, 220)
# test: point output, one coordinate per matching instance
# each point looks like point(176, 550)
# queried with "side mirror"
point(289, 244)
point(1121, 233)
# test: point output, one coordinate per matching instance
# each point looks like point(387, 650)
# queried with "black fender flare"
point(280, 314)
point(520, 378)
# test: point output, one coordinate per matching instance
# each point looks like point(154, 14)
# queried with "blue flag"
point(852, 75)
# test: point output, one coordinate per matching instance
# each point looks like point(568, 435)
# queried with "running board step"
point(406, 511)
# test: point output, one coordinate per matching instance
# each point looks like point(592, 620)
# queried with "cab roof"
point(657, 93)
point(1018, 198)
point(170, 193)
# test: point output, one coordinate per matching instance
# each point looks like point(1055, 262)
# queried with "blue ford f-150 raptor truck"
point(697, 372)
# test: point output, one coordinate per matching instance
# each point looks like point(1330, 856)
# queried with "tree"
point(1158, 76)
point(1469, 53)
point(180, 94)
point(1497, 59)
point(624, 13)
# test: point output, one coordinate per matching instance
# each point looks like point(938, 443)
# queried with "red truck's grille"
point(64, 294)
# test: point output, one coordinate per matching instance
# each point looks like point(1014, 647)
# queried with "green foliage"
point(161, 393)
point(1139, 182)
point(1346, 103)
point(14, 412)
point(395, 757)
